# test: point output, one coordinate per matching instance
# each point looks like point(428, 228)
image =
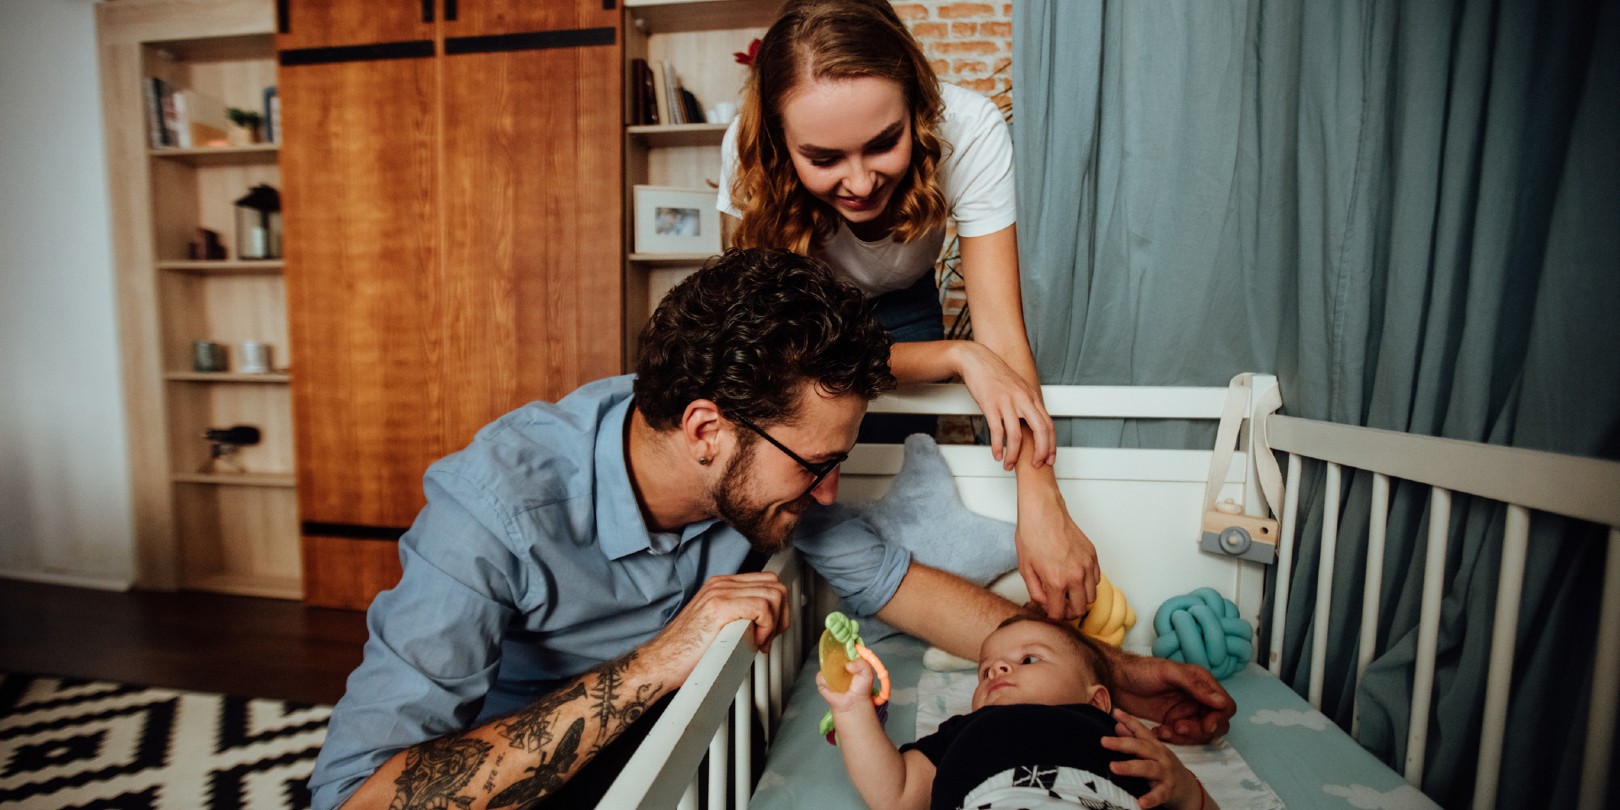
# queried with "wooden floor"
point(204, 642)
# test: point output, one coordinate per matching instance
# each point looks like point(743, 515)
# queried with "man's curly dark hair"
point(748, 330)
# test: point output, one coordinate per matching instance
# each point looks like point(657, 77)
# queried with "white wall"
point(64, 470)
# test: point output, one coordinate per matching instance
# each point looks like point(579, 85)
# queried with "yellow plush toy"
point(1109, 617)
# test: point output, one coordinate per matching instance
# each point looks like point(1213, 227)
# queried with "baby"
point(1042, 733)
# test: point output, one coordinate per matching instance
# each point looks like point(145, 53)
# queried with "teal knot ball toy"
point(1203, 628)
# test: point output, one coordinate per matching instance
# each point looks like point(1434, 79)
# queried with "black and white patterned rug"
point(94, 744)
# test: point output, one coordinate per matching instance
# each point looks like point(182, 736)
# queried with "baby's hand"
point(860, 689)
point(1172, 785)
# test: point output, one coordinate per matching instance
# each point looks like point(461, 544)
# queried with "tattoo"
point(612, 718)
point(530, 729)
point(489, 784)
point(436, 771)
point(548, 775)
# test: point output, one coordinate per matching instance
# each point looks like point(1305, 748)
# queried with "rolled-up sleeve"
point(434, 647)
point(863, 569)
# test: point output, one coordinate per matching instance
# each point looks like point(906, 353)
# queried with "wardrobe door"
point(360, 170)
point(533, 227)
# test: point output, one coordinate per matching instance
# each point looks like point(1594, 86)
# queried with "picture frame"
point(671, 220)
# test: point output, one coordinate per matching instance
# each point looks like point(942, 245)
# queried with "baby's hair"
point(1089, 650)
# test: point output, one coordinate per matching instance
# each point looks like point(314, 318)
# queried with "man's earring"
point(703, 460)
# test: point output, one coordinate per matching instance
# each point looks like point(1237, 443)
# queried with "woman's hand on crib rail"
point(757, 597)
point(1190, 706)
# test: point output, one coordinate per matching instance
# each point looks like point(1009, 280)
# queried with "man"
point(575, 561)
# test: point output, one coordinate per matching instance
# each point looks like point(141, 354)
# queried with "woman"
point(849, 149)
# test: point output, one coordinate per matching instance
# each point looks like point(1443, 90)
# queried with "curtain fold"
point(1410, 212)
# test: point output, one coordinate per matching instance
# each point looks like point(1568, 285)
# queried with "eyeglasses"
point(820, 471)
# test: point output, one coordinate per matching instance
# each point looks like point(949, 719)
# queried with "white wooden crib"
point(1155, 499)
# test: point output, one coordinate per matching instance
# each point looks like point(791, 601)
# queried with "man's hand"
point(758, 597)
point(1188, 703)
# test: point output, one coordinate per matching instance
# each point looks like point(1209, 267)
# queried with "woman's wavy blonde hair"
point(831, 39)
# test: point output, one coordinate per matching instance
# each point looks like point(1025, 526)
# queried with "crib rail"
point(670, 765)
point(1526, 481)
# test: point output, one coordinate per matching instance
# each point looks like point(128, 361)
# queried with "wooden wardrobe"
point(453, 231)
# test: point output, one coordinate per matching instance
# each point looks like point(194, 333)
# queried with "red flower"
point(748, 57)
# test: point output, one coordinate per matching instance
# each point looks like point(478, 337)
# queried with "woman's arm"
point(1057, 560)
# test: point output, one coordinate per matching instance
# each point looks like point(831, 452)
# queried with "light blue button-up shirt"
point(530, 564)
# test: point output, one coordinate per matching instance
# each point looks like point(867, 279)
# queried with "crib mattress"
point(1304, 758)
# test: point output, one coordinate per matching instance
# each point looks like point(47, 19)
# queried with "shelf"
point(227, 377)
point(283, 480)
point(673, 16)
point(220, 48)
point(224, 267)
point(669, 259)
point(678, 134)
point(265, 153)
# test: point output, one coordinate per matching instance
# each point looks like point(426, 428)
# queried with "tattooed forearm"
point(551, 735)
point(435, 773)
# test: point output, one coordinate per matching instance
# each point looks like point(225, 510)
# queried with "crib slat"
point(1605, 685)
point(762, 698)
point(719, 763)
point(776, 668)
point(1434, 571)
point(1285, 561)
point(689, 799)
point(1504, 638)
point(742, 774)
point(1324, 584)
point(1373, 590)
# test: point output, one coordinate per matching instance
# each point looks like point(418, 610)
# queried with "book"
point(156, 92)
point(672, 95)
point(639, 77)
point(272, 115)
point(662, 112)
point(691, 108)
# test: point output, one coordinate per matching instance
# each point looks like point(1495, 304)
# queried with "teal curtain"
point(1410, 212)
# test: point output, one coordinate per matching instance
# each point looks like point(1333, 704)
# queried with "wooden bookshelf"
point(697, 37)
point(233, 533)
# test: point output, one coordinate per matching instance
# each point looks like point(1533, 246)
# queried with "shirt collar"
point(620, 529)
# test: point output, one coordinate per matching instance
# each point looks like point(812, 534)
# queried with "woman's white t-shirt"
point(975, 173)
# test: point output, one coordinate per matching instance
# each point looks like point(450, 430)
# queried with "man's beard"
point(754, 521)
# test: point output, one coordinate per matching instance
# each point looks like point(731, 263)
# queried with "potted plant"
point(246, 119)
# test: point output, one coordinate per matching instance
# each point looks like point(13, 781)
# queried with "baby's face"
point(1030, 662)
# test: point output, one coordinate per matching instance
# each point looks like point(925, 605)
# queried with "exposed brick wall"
point(969, 43)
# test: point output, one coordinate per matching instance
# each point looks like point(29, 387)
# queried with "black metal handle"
point(449, 10)
point(427, 11)
point(283, 13)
